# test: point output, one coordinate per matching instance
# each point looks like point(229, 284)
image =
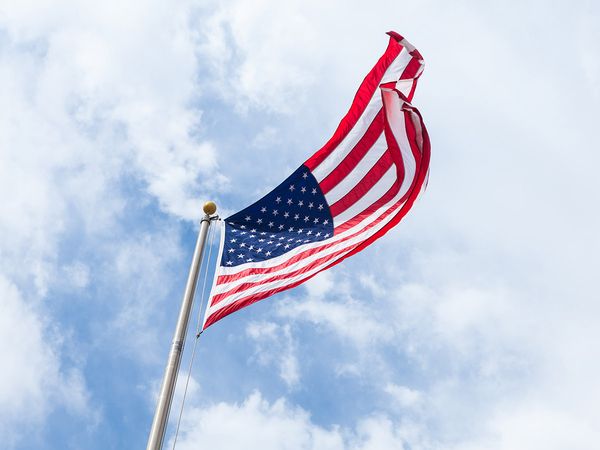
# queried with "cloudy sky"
point(475, 324)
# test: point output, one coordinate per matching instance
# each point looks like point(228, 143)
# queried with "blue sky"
point(473, 324)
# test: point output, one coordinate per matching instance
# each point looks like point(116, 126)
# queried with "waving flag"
point(344, 197)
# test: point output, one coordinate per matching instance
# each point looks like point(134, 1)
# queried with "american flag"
point(344, 197)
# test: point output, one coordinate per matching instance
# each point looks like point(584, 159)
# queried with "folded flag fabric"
point(344, 197)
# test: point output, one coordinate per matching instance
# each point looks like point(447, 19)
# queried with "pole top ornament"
point(209, 208)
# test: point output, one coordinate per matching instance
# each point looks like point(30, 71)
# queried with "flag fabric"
point(344, 197)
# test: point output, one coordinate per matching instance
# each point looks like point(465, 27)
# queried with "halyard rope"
point(203, 296)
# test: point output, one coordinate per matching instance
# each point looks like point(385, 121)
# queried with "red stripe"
point(412, 89)
point(364, 94)
point(411, 69)
point(364, 185)
point(356, 154)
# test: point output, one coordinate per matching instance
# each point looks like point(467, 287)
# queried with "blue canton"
point(293, 214)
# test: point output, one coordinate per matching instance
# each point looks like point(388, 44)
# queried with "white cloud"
point(405, 396)
point(256, 423)
point(33, 381)
point(276, 345)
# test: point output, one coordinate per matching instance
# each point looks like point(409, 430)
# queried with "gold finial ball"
point(210, 208)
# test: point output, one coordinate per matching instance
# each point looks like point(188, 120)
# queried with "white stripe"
point(357, 174)
point(221, 225)
point(349, 142)
point(397, 67)
point(396, 119)
point(393, 72)
point(375, 193)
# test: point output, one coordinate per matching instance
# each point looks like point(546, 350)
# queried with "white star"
point(300, 230)
point(310, 205)
point(278, 199)
point(316, 220)
point(253, 230)
point(318, 234)
point(275, 212)
point(303, 189)
point(247, 218)
point(231, 250)
point(306, 218)
point(242, 244)
point(290, 239)
point(325, 222)
point(291, 229)
point(289, 201)
point(292, 187)
point(243, 227)
point(286, 214)
point(259, 221)
point(261, 240)
point(281, 238)
point(243, 232)
point(272, 236)
point(306, 240)
point(309, 232)
point(280, 227)
point(296, 217)
point(263, 233)
point(320, 206)
point(268, 254)
point(249, 260)
point(269, 242)
point(271, 224)
point(252, 235)
point(286, 246)
point(314, 191)
point(234, 230)
point(300, 203)
point(278, 244)
point(258, 250)
point(229, 263)
point(240, 256)
point(304, 175)
point(298, 240)
point(251, 247)
point(263, 209)
point(233, 240)
point(327, 235)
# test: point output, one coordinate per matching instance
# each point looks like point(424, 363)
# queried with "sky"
point(474, 324)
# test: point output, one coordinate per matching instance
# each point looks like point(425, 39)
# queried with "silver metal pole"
point(161, 416)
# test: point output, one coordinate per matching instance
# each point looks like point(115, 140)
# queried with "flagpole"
point(161, 415)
